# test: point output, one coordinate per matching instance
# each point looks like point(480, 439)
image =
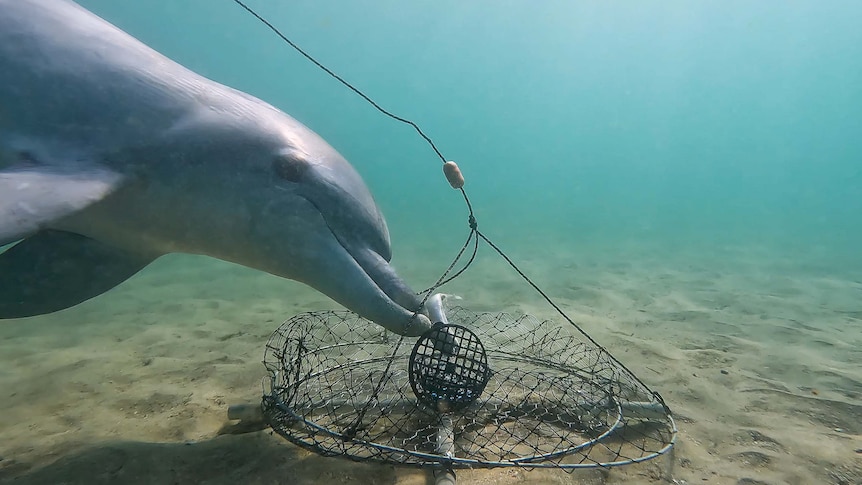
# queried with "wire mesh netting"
point(339, 385)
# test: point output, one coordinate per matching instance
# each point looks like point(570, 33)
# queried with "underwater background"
point(684, 177)
point(671, 123)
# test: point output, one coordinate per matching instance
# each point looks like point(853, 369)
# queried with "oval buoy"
point(453, 174)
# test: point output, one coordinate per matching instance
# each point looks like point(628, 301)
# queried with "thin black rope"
point(353, 427)
point(342, 81)
point(472, 236)
point(473, 231)
point(563, 314)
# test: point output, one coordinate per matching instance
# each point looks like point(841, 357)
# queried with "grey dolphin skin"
point(112, 155)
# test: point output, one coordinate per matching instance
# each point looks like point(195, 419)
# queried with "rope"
point(342, 81)
point(474, 231)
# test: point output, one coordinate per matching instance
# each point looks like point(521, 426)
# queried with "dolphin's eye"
point(289, 168)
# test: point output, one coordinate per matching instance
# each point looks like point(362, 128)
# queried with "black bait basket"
point(484, 390)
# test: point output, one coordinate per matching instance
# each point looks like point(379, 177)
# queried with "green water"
point(684, 178)
point(676, 124)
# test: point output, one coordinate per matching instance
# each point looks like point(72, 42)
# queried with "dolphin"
point(112, 155)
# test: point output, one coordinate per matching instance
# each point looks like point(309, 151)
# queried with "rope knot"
point(473, 223)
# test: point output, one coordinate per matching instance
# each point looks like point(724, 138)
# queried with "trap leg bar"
point(446, 447)
point(250, 412)
point(444, 475)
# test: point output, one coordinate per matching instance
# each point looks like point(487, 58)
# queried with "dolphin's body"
point(112, 155)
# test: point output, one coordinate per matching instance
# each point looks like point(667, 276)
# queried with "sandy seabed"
point(759, 357)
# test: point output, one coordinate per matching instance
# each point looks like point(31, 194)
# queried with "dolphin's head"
point(315, 221)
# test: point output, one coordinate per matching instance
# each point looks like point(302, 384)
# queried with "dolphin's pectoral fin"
point(32, 197)
point(53, 270)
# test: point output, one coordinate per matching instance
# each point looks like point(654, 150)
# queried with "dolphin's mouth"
point(368, 284)
point(386, 281)
point(409, 319)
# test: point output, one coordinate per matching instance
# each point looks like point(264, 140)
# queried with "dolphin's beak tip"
point(423, 323)
point(416, 326)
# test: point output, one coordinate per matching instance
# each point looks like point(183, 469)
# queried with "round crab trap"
point(477, 390)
